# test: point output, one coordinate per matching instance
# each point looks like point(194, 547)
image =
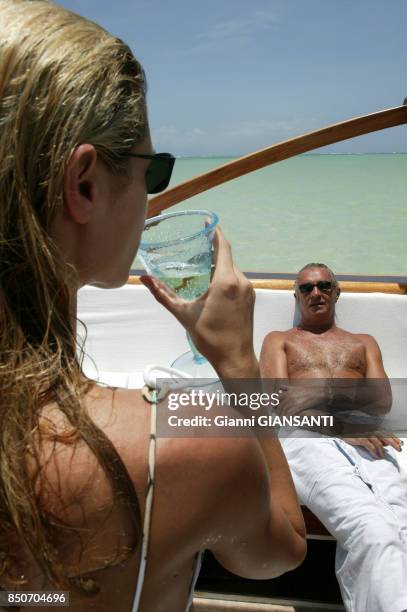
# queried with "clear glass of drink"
point(176, 248)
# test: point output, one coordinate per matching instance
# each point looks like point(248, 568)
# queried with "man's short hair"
point(317, 265)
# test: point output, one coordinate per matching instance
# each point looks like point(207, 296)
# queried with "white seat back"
point(127, 328)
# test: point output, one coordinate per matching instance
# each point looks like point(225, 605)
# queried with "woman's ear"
point(80, 183)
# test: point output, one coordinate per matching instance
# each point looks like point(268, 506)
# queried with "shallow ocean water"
point(348, 211)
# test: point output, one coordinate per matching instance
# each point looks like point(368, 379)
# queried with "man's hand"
point(375, 444)
point(297, 399)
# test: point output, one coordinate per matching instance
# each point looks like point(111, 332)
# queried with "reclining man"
point(353, 485)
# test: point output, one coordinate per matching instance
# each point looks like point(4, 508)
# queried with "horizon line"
point(237, 155)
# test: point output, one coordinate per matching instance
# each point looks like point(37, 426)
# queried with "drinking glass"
point(176, 248)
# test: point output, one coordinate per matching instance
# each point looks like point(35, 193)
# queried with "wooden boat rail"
point(276, 153)
point(207, 602)
point(346, 286)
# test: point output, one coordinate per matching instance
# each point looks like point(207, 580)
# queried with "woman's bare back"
point(83, 498)
point(188, 513)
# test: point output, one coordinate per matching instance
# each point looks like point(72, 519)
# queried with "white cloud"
point(241, 26)
point(229, 138)
point(170, 137)
point(164, 132)
point(236, 29)
point(259, 128)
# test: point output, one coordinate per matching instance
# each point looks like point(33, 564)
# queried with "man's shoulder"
point(366, 339)
point(278, 337)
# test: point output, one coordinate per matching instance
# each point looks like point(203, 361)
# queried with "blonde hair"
point(63, 81)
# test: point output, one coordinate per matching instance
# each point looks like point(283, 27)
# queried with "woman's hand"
point(220, 322)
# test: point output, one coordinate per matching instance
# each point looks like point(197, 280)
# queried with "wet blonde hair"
point(63, 81)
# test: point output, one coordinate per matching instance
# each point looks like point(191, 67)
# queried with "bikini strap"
point(149, 499)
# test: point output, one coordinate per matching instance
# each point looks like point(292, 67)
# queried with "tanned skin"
point(318, 348)
point(233, 496)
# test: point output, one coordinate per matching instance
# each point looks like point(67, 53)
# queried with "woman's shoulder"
point(125, 416)
point(75, 487)
point(198, 482)
point(200, 465)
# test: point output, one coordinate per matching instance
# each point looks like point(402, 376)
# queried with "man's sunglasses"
point(322, 286)
point(159, 172)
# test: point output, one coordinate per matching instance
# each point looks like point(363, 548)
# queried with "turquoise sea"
point(348, 211)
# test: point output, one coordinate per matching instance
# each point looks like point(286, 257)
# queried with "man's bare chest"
point(325, 356)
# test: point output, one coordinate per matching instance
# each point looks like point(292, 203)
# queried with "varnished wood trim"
point(221, 605)
point(220, 602)
point(134, 280)
point(278, 152)
point(347, 286)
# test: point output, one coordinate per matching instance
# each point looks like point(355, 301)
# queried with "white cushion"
point(128, 329)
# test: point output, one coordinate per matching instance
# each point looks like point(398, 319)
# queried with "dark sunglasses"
point(159, 172)
point(322, 286)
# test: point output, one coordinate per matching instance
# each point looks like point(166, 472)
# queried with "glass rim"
point(206, 230)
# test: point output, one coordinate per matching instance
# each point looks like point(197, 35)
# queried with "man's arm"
point(273, 358)
point(374, 397)
point(375, 369)
point(374, 360)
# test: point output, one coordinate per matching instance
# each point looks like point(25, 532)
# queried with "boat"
point(118, 349)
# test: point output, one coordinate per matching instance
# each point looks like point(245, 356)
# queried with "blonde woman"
point(76, 162)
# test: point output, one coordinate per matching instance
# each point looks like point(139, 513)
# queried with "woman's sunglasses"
point(159, 171)
point(322, 286)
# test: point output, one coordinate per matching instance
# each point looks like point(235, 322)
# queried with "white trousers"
point(362, 502)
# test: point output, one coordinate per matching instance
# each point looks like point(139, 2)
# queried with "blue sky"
point(227, 77)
